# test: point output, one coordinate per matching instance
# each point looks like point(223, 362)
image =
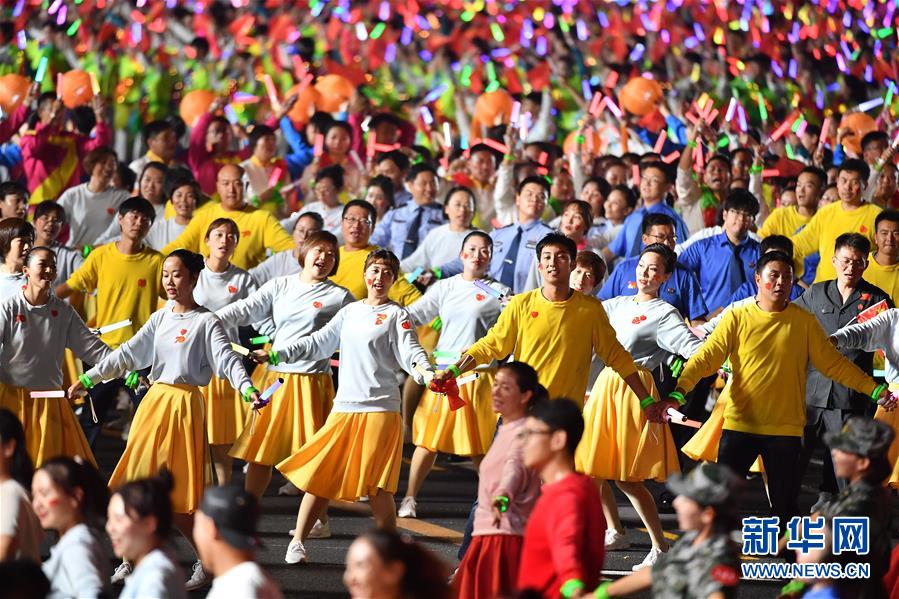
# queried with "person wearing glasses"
point(356, 226)
point(404, 228)
point(836, 304)
point(259, 230)
point(681, 290)
point(654, 185)
point(327, 189)
point(725, 261)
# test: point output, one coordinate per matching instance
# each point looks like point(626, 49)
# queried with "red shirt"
point(564, 538)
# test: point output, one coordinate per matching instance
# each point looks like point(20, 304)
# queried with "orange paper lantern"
point(13, 89)
point(334, 91)
point(593, 143)
point(640, 96)
point(493, 108)
point(76, 89)
point(194, 105)
point(859, 124)
point(305, 106)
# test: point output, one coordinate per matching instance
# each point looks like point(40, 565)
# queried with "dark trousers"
point(820, 421)
point(780, 454)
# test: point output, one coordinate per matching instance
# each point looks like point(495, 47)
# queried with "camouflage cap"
point(862, 436)
point(707, 484)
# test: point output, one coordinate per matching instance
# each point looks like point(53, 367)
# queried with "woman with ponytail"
point(20, 531)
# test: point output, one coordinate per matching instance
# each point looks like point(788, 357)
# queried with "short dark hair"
point(223, 222)
point(315, 216)
point(562, 414)
point(480, 234)
point(601, 184)
point(889, 215)
point(176, 179)
point(659, 166)
point(665, 252)
point(150, 497)
point(21, 468)
point(656, 219)
point(780, 243)
point(384, 184)
point(385, 256)
point(321, 121)
point(395, 156)
point(96, 156)
point(258, 132)
point(154, 128)
point(874, 137)
point(319, 238)
point(13, 228)
point(629, 196)
point(525, 377)
point(340, 125)
point(856, 241)
point(585, 210)
point(559, 240)
point(139, 205)
point(154, 165)
point(593, 261)
point(742, 200)
point(537, 180)
point(720, 157)
point(333, 172)
point(372, 213)
point(856, 165)
point(13, 188)
point(774, 256)
point(419, 168)
point(49, 207)
point(817, 172)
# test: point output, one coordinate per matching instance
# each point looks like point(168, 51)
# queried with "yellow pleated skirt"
point(352, 456)
point(169, 430)
point(703, 445)
point(71, 369)
point(51, 428)
point(427, 337)
point(296, 411)
point(467, 431)
point(619, 443)
point(226, 412)
point(892, 419)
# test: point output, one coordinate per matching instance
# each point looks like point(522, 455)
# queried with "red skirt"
point(490, 567)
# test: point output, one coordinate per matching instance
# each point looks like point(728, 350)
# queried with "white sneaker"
point(288, 489)
point(363, 499)
point(296, 553)
point(649, 560)
point(198, 579)
point(408, 508)
point(616, 541)
point(320, 530)
point(122, 572)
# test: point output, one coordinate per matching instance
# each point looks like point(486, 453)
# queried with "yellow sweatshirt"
point(785, 220)
point(769, 353)
point(821, 232)
point(349, 275)
point(558, 339)
point(885, 277)
point(259, 231)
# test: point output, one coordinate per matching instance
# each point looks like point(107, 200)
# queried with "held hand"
point(888, 400)
point(33, 92)
point(99, 106)
point(260, 356)
point(76, 390)
point(497, 515)
point(441, 377)
point(256, 402)
point(286, 106)
point(218, 104)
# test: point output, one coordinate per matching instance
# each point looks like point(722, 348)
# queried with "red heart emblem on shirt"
point(184, 331)
point(20, 318)
point(406, 325)
point(232, 289)
point(535, 314)
point(110, 211)
point(863, 229)
point(642, 317)
point(480, 297)
point(141, 282)
point(246, 233)
point(54, 312)
point(316, 305)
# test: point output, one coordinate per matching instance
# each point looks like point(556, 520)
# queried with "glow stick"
point(267, 394)
point(825, 129)
point(516, 113)
point(613, 108)
point(671, 157)
point(447, 135)
point(113, 327)
point(595, 104)
point(41, 70)
point(414, 274)
point(778, 133)
point(866, 106)
point(679, 418)
point(770, 172)
point(488, 289)
point(467, 378)
point(59, 85)
point(274, 177)
point(660, 142)
point(47, 394)
point(501, 148)
point(260, 340)
point(731, 108)
point(319, 145)
point(426, 375)
point(240, 349)
point(272, 91)
point(95, 85)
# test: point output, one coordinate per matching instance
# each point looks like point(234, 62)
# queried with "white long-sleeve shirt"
point(11, 284)
point(466, 312)
point(181, 349)
point(277, 265)
point(33, 339)
point(881, 332)
point(296, 309)
point(439, 246)
point(78, 565)
point(650, 330)
point(163, 232)
point(89, 213)
point(215, 290)
point(375, 343)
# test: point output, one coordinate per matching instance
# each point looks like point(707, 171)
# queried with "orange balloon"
point(334, 91)
point(859, 125)
point(13, 89)
point(194, 105)
point(640, 95)
point(305, 106)
point(76, 89)
point(493, 108)
point(592, 142)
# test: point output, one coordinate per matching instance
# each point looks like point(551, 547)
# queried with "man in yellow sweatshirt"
point(770, 343)
point(556, 330)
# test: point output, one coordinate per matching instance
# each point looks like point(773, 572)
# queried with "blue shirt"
point(393, 230)
point(632, 231)
point(300, 155)
point(681, 290)
point(710, 259)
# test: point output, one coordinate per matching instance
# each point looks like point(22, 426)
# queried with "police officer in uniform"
point(705, 561)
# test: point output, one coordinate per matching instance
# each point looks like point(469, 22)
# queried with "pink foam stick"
point(613, 108)
point(778, 133)
point(272, 90)
point(372, 142)
point(59, 85)
point(710, 117)
point(698, 157)
point(611, 80)
point(635, 174)
point(516, 113)
point(386, 147)
point(671, 157)
point(770, 172)
point(594, 104)
point(825, 131)
point(660, 142)
point(275, 176)
point(499, 147)
point(319, 145)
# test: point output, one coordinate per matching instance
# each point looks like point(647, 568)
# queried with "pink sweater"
point(502, 472)
point(9, 126)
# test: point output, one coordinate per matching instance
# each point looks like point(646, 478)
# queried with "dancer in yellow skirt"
point(881, 332)
point(35, 328)
point(468, 304)
point(183, 344)
point(297, 305)
point(358, 452)
point(620, 443)
point(220, 284)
